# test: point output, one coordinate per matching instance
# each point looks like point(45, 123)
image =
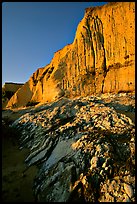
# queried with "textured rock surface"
point(100, 59)
point(84, 149)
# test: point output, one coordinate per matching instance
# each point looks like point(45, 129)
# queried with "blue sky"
point(33, 31)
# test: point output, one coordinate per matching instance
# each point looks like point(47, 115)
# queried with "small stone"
point(94, 162)
point(116, 178)
point(101, 172)
point(128, 190)
point(109, 198)
point(104, 165)
point(132, 139)
point(98, 148)
point(126, 199)
point(84, 180)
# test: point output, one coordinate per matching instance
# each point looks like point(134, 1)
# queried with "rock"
point(129, 179)
point(126, 199)
point(100, 59)
point(78, 157)
point(109, 198)
point(128, 190)
point(8, 91)
point(94, 162)
point(11, 87)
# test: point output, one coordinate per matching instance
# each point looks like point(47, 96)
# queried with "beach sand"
point(16, 186)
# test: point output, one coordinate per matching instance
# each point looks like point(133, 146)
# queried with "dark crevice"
point(98, 29)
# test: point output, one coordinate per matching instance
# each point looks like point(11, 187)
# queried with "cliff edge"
point(101, 59)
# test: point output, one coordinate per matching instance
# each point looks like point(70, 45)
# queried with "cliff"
point(8, 91)
point(10, 86)
point(101, 59)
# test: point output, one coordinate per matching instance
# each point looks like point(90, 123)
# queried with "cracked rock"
point(83, 154)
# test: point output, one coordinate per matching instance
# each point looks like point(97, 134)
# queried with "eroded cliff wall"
point(100, 59)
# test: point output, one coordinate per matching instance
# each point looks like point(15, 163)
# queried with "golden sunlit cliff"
point(101, 59)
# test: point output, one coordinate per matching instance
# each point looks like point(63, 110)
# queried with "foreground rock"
point(84, 149)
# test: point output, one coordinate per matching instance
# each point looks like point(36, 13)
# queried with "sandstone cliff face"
point(101, 59)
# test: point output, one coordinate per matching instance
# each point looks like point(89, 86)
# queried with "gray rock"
point(94, 162)
point(79, 145)
point(126, 199)
point(128, 189)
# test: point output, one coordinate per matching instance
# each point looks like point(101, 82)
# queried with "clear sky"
point(33, 31)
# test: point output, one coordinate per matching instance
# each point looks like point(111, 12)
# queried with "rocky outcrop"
point(8, 91)
point(84, 149)
point(101, 59)
point(13, 87)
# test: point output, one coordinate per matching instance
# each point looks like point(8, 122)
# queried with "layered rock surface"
point(84, 149)
point(101, 59)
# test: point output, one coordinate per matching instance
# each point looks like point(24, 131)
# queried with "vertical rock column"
point(100, 55)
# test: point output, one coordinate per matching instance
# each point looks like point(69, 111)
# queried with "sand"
point(16, 186)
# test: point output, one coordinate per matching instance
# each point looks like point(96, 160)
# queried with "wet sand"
point(16, 186)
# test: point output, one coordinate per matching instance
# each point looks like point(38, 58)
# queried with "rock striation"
point(101, 59)
point(84, 149)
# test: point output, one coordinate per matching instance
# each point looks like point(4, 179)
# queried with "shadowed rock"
point(84, 149)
